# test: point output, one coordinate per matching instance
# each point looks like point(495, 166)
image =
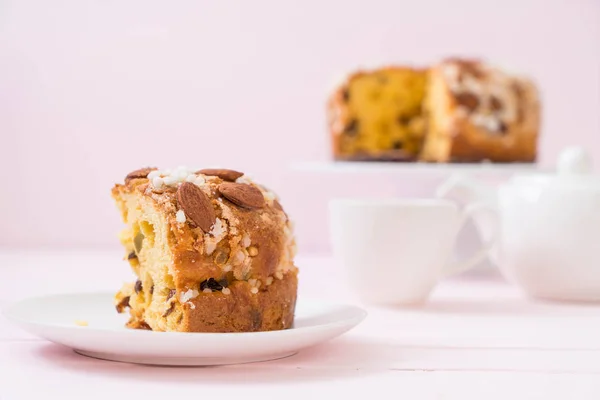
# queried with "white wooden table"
point(477, 338)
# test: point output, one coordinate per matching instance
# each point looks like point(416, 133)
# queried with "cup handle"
point(446, 189)
point(479, 255)
point(465, 190)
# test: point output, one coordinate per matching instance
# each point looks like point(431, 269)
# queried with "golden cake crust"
point(272, 308)
point(225, 229)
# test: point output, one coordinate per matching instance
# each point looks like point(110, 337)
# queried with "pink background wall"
point(92, 89)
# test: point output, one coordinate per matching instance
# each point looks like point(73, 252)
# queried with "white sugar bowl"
point(549, 230)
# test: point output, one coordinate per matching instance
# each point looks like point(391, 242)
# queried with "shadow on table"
point(343, 358)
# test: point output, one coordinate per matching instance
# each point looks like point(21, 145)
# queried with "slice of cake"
point(377, 115)
point(211, 249)
point(478, 112)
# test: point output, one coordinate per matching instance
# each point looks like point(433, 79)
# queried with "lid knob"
point(575, 160)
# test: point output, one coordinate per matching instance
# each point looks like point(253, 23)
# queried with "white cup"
point(395, 251)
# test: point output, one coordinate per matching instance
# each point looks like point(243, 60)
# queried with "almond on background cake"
point(213, 251)
point(459, 110)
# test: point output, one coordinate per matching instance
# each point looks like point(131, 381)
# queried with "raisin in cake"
point(478, 112)
point(212, 251)
point(377, 115)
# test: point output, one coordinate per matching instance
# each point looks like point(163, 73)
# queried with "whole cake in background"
point(213, 251)
point(456, 111)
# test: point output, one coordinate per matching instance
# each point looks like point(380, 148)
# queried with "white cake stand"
point(414, 168)
point(412, 180)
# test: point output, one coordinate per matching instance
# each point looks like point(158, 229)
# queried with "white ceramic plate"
point(54, 318)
